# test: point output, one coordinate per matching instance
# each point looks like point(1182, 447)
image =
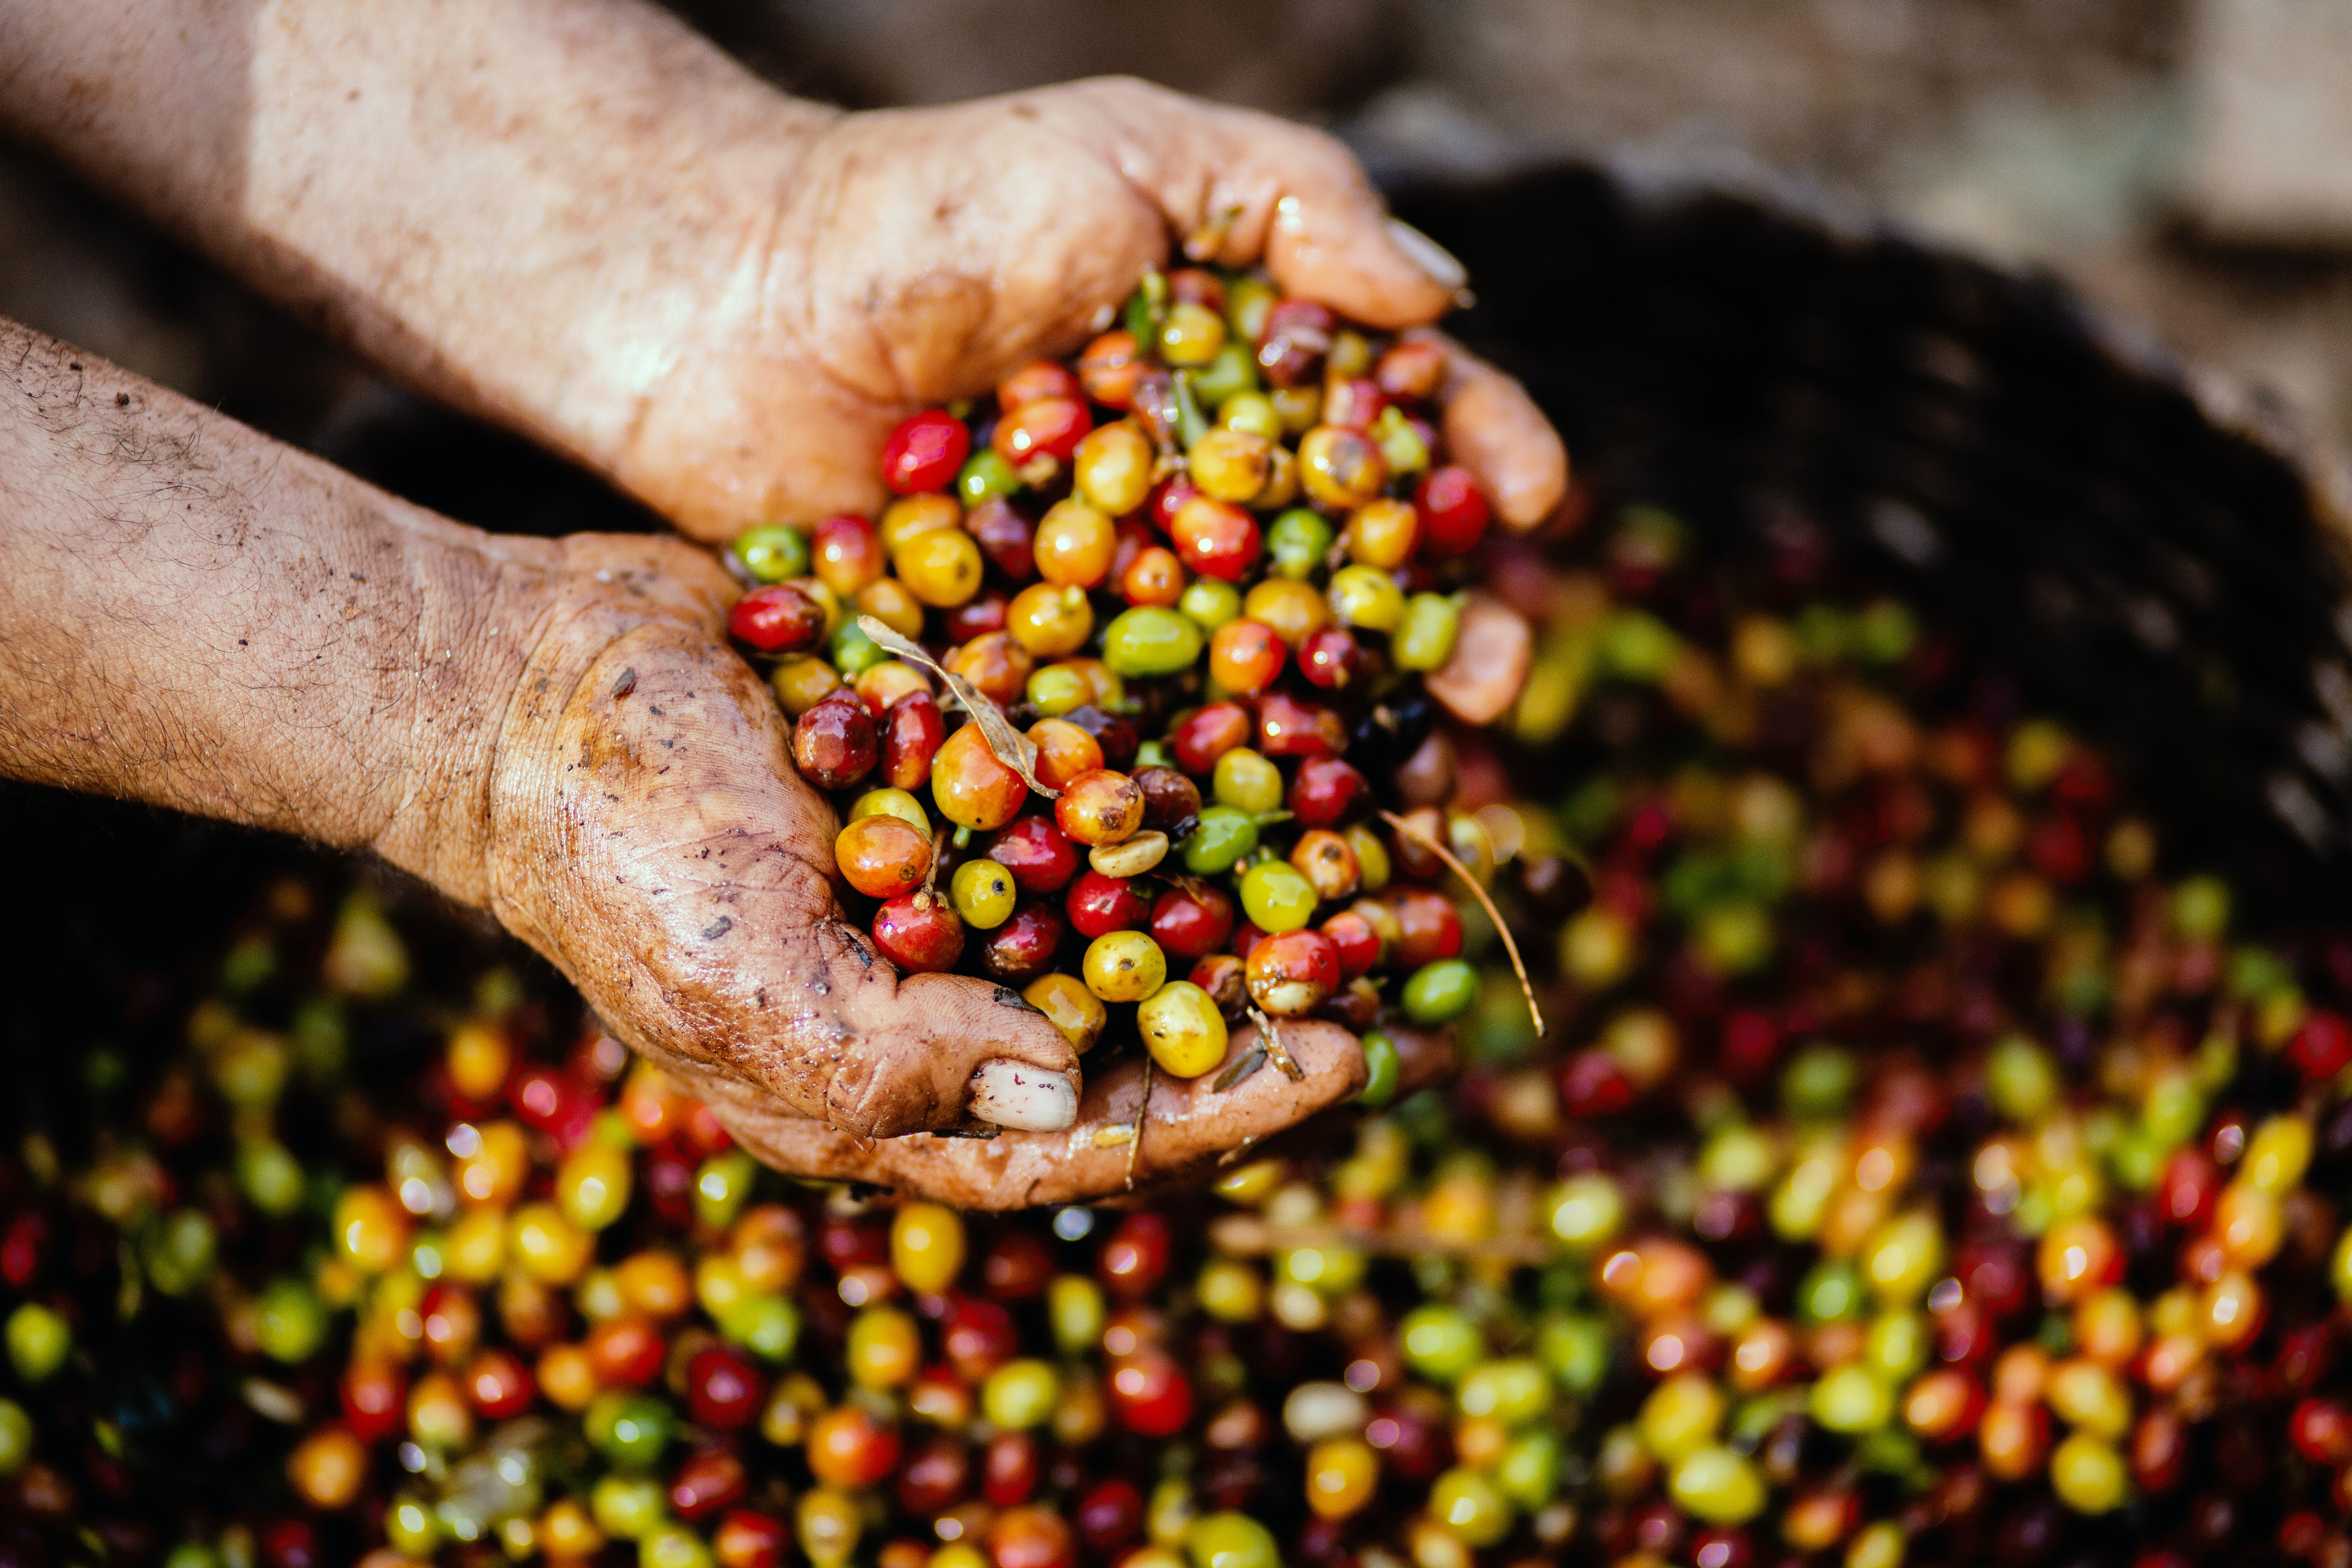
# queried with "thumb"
point(935, 1050)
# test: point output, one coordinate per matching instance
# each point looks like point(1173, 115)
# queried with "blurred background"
point(2186, 164)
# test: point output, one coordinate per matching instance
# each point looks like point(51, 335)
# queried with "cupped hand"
point(648, 833)
point(915, 256)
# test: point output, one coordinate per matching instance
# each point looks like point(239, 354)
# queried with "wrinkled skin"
point(649, 835)
point(907, 282)
point(576, 218)
point(1194, 1130)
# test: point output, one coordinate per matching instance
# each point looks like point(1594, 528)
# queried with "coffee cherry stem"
point(1502, 929)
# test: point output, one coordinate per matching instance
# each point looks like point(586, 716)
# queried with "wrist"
point(482, 611)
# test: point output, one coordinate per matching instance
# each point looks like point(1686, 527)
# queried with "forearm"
point(438, 179)
point(195, 616)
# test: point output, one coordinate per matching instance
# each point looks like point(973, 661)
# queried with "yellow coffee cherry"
point(1124, 966)
point(1342, 1475)
point(550, 1248)
point(1070, 1007)
point(884, 1349)
point(1182, 1029)
point(370, 1227)
point(927, 1247)
point(593, 1186)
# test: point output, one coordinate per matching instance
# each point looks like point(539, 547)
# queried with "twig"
point(1519, 965)
point(1271, 1038)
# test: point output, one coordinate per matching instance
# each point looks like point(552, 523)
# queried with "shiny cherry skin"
point(836, 743)
point(1453, 512)
point(1357, 943)
point(1168, 499)
point(374, 1398)
point(919, 932)
point(1430, 928)
point(748, 1539)
point(913, 730)
point(1171, 803)
point(1135, 1259)
point(1007, 538)
point(1017, 1267)
point(1023, 948)
point(724, 1388)
point(933, 1477)
point(1010, 1468)
point(706, 1483)
point(1149, 1394)
point(499, 1386)
point(1215, 539)
point(1035, 382)
point(778, 620)
point(1329, 657)
point(977, 1337)
point(1192, 922)
point(1292, 342)
point(1289, 728)
point(924, 452)
point(1208, 733)
point(1099, 905)
point(1292, 973)
point(1049, 428)
point(1109, 1515)
point(1115, 735)
point(977, 617)
point(1326, 791)
point(1038, 854)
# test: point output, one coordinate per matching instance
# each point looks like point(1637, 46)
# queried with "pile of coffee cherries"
point(1920, 1169)
point(1200, 573)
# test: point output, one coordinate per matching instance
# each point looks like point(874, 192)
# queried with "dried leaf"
point(1248, 1063)
point(1519, 965)
point(1271, 1038)
point(1012, 748)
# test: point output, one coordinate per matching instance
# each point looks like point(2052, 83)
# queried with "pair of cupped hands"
point(810, 278)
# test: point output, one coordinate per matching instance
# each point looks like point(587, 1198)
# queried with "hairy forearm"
point(437, 180)
point(195, 617)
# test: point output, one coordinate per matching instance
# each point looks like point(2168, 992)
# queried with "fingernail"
point(1018, 1095)
point(1429, 256)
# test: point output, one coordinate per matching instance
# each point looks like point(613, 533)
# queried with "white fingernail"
point(1019, 1095)
point(1428, 255)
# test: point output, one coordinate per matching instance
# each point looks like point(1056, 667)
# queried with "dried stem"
point(1276, 1052)
point(1519, 965)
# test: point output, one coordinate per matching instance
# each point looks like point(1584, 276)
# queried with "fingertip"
point(1345, 254)
point(1494, 429)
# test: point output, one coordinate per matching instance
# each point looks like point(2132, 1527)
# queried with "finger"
point(653, 838)
point(1191, 1127)
point(962, 1046)
point(1493, 430)
point(1492, 653)
point(1238, 186)
point(1330, 237)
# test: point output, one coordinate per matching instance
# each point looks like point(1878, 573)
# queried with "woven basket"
point(2146, 555)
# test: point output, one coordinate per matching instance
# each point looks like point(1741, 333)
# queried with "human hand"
point(646, 831)
point(917, 256)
